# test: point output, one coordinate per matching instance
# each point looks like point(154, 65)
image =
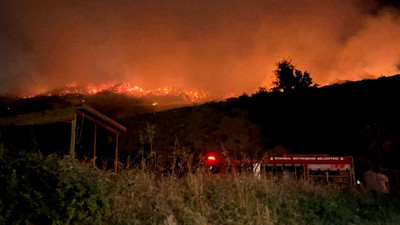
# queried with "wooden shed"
point(91, 136)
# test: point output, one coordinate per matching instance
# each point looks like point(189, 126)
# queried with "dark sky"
point(220, 46)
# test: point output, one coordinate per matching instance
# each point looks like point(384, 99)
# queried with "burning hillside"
point(172, 92)
point(115, 100)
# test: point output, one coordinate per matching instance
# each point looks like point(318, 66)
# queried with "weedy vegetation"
point(37, 189)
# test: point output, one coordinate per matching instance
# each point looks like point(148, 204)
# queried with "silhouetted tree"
point(290, 79)
point(262, 90)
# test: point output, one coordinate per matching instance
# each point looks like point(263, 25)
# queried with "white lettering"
point(304, 158)
point(282, 158)
point(328, 158)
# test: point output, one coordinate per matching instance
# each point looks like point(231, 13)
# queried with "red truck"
point(318, 168)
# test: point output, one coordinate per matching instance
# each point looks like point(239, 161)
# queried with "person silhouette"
point(383, 182)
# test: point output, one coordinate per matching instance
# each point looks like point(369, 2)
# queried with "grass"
point(201, 198)
point(37, 189)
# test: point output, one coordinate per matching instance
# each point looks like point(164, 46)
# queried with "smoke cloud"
point(220, 46)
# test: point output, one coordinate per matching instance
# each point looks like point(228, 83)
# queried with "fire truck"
point(324, 169)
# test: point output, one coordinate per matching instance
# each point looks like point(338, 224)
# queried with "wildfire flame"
point(188, 95)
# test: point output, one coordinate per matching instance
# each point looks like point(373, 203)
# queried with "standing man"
point(383, 182)
point(370, 179)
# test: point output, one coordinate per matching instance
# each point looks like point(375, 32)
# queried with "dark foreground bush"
point(37, 189)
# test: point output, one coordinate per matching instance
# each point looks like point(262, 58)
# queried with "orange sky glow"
point(219, 47)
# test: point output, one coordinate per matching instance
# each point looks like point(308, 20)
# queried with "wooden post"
point(306, 172)
point(352, 173)
point(116, 154)
point(73, 135)
point(327, 176)
point(94, 145)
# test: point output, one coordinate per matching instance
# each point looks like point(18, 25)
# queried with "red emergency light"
point(211, 158)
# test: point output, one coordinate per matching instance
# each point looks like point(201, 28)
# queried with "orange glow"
point(158, 45)
point(230, 95)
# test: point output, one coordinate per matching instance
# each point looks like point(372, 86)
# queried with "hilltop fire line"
point(188, 95)
point(335, 170)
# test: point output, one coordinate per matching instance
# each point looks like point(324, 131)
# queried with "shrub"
point(36, 189)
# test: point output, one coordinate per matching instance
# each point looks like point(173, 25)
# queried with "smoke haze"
point(220, 46)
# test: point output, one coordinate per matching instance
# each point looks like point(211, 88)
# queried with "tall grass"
point(201, 198)
point(37, 189)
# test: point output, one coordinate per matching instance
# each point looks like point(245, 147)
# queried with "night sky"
point(221, 46)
